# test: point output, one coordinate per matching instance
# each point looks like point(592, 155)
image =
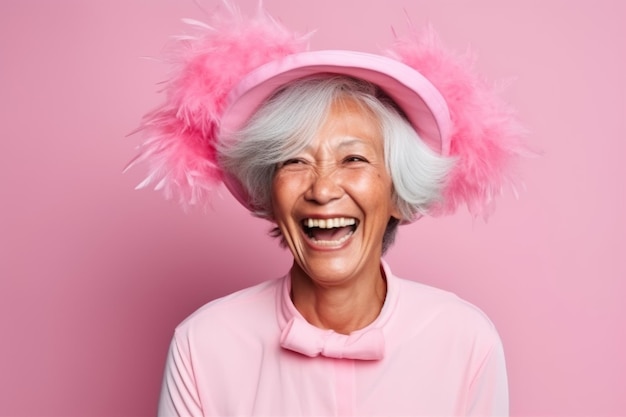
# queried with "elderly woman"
point(336, 149)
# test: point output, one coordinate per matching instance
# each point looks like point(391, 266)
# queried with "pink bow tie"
point(302, 337)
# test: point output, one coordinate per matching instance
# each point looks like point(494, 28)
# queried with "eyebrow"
point(347, 142)
point(352, 141)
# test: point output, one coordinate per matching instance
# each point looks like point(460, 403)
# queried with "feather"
point(180, 135)
point(486, 136)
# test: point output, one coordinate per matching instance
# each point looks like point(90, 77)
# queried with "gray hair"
point(288, 121)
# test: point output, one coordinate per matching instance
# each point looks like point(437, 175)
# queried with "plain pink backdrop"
point(95, 276)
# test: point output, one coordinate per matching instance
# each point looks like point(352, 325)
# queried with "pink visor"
point(421, 102)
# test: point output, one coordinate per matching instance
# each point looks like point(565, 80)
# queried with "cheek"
point(369, 183)
point(284, 191)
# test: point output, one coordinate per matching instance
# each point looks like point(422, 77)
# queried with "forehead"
point(351, 106)
point(352, 120)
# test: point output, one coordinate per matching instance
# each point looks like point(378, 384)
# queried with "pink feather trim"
point(181, 134)
point(486, 136)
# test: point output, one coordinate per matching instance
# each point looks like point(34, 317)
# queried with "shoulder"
point(428, 299)
point(242, 309)
point(443, 314)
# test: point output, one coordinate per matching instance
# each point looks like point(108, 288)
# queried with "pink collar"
point(300, 336)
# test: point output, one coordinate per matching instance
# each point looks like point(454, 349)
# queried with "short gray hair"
point(288, 121)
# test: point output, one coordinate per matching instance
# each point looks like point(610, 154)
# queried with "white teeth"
point(330, 223)
point(333, 242)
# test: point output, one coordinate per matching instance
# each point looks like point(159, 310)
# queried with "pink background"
point(95, 276)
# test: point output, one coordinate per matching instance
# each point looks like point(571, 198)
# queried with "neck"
point(342, 308)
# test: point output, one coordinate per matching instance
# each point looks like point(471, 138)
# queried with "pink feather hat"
point(225, 72)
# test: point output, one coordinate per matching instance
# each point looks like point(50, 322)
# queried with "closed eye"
point(292, 161)
point(355, 158)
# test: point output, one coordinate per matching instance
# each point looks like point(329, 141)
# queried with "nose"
point(325, 187)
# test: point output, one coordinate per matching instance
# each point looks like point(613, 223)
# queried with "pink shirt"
point(439, 356)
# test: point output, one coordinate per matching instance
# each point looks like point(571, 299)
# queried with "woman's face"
point(332, 201)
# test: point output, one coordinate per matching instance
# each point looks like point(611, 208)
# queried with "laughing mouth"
point(329, 232)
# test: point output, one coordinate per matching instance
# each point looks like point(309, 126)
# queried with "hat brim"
point(421, 102)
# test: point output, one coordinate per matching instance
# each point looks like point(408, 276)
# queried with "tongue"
point(335, 233)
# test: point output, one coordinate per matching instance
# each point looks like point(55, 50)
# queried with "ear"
point(395, 210)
